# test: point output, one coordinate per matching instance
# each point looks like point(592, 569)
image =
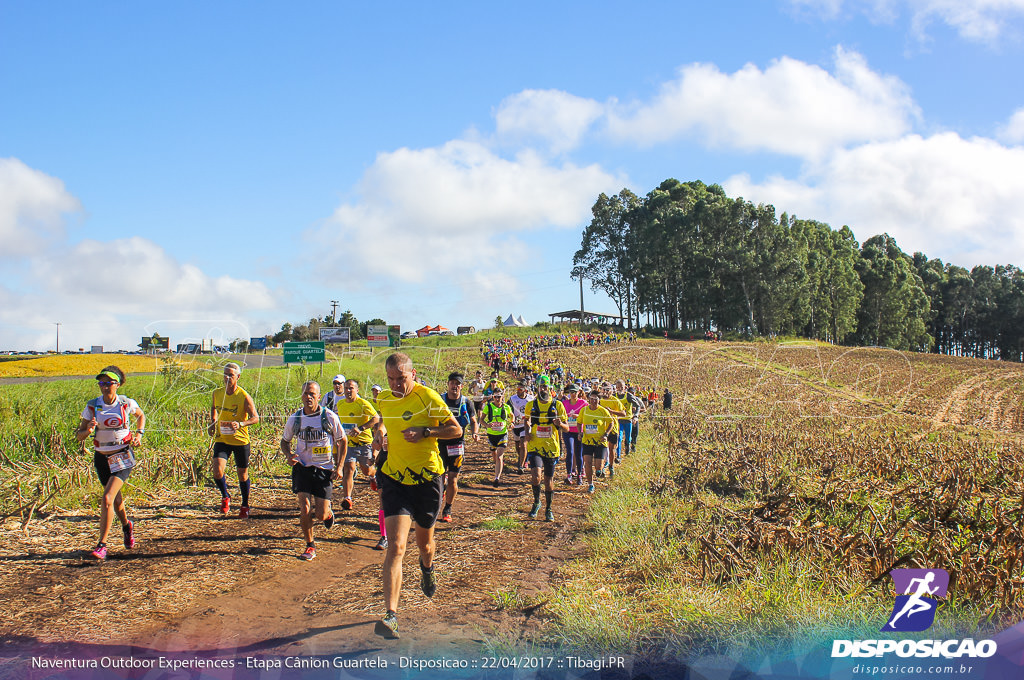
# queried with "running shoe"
point(446, 515)
point(382, 544)
point(533, 511)
point(611, 473)
point(329, 522)
point(129, 534)
point(243, 512)
point(428, 581)
point(373, 483)
point(496, 482)
point(568, 479)
point(549, 515)
point(225, 505)
point(309, 554)
point(590, 489)
point(599, 474)
point(387, 627)
point(618, 460)
point(100, 553)
point(346, 504)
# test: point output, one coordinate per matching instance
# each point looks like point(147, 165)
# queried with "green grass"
point(500, 523)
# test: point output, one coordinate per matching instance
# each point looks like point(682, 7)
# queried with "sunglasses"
point(107, 383)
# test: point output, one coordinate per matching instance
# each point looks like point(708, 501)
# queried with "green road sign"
point(303, 352)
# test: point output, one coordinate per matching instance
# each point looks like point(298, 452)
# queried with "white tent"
point(521, 321)
point(513, 321)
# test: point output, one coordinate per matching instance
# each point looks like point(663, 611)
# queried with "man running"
point(415, 417)
point(336, 394)
point(231, 414)
point(454, 450)
point(631, 406)
point(545, 422)
point(497, 418)
point(616, 408)
point(316, 460)
point(476, 393)
point(358, 417)
point(518, 402)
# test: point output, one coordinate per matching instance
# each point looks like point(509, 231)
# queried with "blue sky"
point(222, 168)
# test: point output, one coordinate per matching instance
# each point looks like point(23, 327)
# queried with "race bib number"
point(455, 450)
point(121, 461)
point(590, 429)
point(321, 454)
point(225, 428)
point(348, 427)
point(572, 420)
point(544, 431)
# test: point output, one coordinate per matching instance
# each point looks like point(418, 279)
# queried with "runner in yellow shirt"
point(545, 421)
point(595, 424)
point(231, 414)
point(415, 417)
point(615, 408)
point(358, 417)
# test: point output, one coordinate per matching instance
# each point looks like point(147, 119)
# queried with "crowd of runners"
point(409, 441)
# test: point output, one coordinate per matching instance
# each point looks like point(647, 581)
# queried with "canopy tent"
point(513, 321)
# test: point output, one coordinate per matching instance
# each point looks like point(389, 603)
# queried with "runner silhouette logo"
point(914, 609)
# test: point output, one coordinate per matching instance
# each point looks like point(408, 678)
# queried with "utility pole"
point(334, 311)
point(57, 324)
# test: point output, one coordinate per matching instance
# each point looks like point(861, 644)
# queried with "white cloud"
point(1013, 131)
point(137, 276)
point(791, 107)
point(961, 200)
point(558, 118)
point(978, 20)
point(421, 212)
point(33, 206)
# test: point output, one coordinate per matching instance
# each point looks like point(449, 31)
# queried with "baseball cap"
point(376, 387)
point(544, 380)
point(338, 378)
point(457, 377)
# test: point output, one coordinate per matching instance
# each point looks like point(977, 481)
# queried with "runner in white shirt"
point(518, 402)
point(316, 461)
point(106, 418)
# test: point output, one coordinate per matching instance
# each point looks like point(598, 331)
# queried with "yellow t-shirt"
point(612, 404)
point(545, 438)
point(230, 407)
point(593, 424)
point(410, 463)
point(627, 405)
point(353, 414)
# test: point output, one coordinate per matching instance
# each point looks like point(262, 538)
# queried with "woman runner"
point(106, 418)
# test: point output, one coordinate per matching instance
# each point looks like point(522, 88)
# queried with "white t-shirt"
point(316, 437)
point(113, 432)
point(518, 405)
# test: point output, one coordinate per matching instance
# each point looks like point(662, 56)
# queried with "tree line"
point(686, 257)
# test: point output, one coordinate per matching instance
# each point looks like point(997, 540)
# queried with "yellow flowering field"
point(83, 365)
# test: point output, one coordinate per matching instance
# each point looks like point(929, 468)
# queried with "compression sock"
point(536, 493)
point(243, 486)
point(222, 484)
point(380, 519)
point(547, 498)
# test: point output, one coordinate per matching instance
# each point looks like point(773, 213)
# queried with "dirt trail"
point(206, 584)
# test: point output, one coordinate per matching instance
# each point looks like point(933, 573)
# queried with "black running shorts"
point(420, 501)
point(312, 480)
point(240, 451)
